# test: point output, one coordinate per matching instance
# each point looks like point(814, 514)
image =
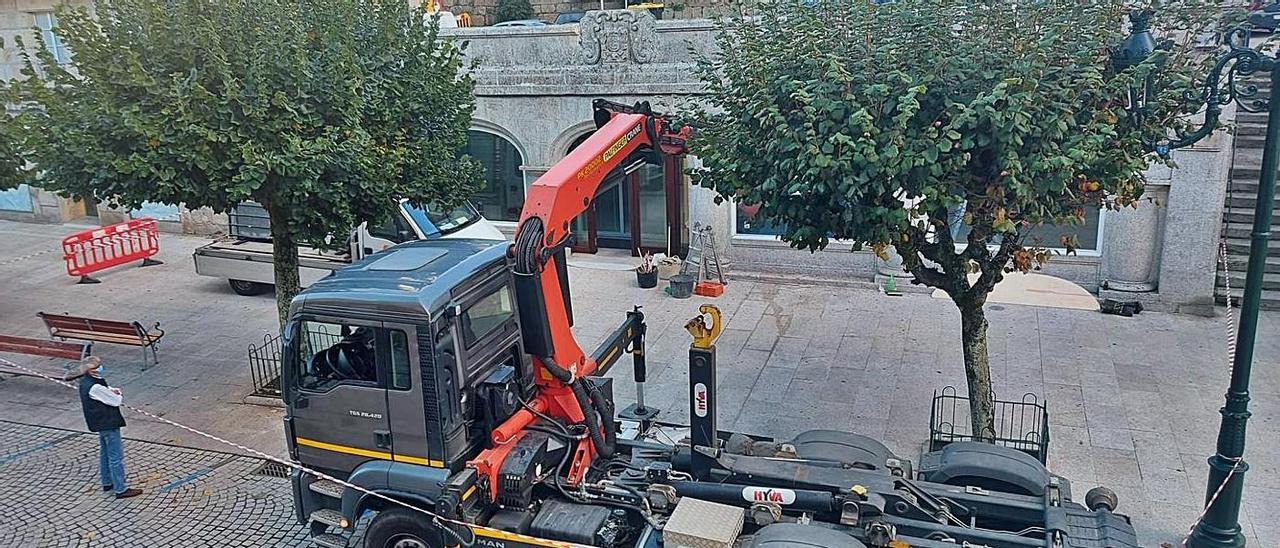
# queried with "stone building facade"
point(482, 11)
point(534, 92)
point(535, 87)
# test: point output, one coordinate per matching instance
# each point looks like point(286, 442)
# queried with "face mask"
point(99, 371)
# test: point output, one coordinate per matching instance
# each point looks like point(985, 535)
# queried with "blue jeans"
point(111, 460)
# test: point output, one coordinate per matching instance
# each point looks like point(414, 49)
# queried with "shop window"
point(751, 223)
point(1049, 236)
point(502, 197)
point(17, 199)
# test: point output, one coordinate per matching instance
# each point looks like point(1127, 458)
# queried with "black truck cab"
point(382, 361)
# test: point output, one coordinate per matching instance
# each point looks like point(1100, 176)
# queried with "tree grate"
point(272, 469)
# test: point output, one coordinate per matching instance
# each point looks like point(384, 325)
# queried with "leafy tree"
point(324, 111)
point(513, 10)
point(12, 166)
point(947, 129)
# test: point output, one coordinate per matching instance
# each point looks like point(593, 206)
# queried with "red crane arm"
point(627, 135)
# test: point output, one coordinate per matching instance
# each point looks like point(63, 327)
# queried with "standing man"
point(101, 405)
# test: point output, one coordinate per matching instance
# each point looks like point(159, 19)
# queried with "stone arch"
point(560, 145)
point(485, 126)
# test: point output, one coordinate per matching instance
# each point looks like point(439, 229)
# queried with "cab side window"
point(393, 228)
point(333, 353)
point(401, 376)
point(486, 315)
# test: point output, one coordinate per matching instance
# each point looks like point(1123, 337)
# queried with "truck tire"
point(248, 289)
point(400, 528)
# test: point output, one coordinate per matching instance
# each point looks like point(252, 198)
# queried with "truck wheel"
point(400, 528)
point(248, 289)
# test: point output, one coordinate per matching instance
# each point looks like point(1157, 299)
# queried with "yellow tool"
point(704, 336)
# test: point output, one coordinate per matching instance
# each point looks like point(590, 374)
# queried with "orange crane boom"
point(628, 136)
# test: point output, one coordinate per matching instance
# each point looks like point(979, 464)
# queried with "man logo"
point(700, 399)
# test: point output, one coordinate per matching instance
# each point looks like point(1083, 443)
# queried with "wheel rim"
point(404, 540)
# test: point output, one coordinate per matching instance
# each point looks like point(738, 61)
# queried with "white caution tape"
point(1231, 356)
point(436, 518)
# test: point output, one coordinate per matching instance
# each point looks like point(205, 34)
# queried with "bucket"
point(647, 280)
point(682, 286)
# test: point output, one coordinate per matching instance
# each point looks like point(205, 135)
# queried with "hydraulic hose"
point(595, 408)
point(592, 419)
point(604, 407)
point(561, 374)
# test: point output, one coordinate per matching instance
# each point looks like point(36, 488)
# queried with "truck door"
point(339, 411)
point(405, 403)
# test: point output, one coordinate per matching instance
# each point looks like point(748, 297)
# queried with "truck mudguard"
point(411, 481)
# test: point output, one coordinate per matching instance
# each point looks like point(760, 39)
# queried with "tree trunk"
point(284, 251)
point(977, 368)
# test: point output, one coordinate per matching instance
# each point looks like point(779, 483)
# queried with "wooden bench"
point(62, 326)
point(38, 347)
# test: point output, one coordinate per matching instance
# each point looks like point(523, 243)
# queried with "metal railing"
point(264, 359)
point(264, 364)
point(1021, 425)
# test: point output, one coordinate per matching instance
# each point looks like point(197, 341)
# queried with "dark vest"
point(97, 415)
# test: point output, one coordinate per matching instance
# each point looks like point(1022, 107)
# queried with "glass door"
point(650, 214)
point(613, 214)
point(640, 212)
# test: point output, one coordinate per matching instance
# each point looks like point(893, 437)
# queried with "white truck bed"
point(251, 261)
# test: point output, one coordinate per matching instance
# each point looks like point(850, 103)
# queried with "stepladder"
point(703, 259)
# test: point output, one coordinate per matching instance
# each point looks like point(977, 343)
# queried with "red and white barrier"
point(100, 248)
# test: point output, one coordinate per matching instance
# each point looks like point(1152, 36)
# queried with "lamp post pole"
point(1220, 526)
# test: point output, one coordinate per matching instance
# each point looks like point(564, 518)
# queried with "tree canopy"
point(325, 111)
point(947, 129)
point(513, 10)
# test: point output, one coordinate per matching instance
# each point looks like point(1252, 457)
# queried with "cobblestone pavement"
point(1133, 401)
point(191, 497)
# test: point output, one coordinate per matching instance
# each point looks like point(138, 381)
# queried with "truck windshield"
point(431, 221)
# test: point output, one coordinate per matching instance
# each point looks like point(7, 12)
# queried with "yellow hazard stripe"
point(368, 453)
point(609, 357)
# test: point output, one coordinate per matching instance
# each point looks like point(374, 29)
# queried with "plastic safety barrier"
point(113, 245)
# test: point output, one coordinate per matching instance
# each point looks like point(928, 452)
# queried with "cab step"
point(327, 488)
point(330, 517)
point(329, 540)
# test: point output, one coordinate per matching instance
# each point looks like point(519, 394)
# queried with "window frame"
point(400, 224)
point(382, 352)
point(520, 166)
point(463, 320)
point(52, 42)
point(746, 237)
point(388, 332)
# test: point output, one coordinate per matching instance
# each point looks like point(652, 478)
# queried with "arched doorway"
point(641, 212)
point(502, 197)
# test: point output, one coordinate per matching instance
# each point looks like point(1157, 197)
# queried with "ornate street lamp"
point(1220, 526)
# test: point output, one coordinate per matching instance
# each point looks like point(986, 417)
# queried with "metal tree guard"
point(1220, 526)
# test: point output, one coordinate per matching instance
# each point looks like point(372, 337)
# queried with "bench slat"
point(131, 340)
point(101, 327)
point(37, 347)
point(88, 324)
point(66, 326)
point(155, 335)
